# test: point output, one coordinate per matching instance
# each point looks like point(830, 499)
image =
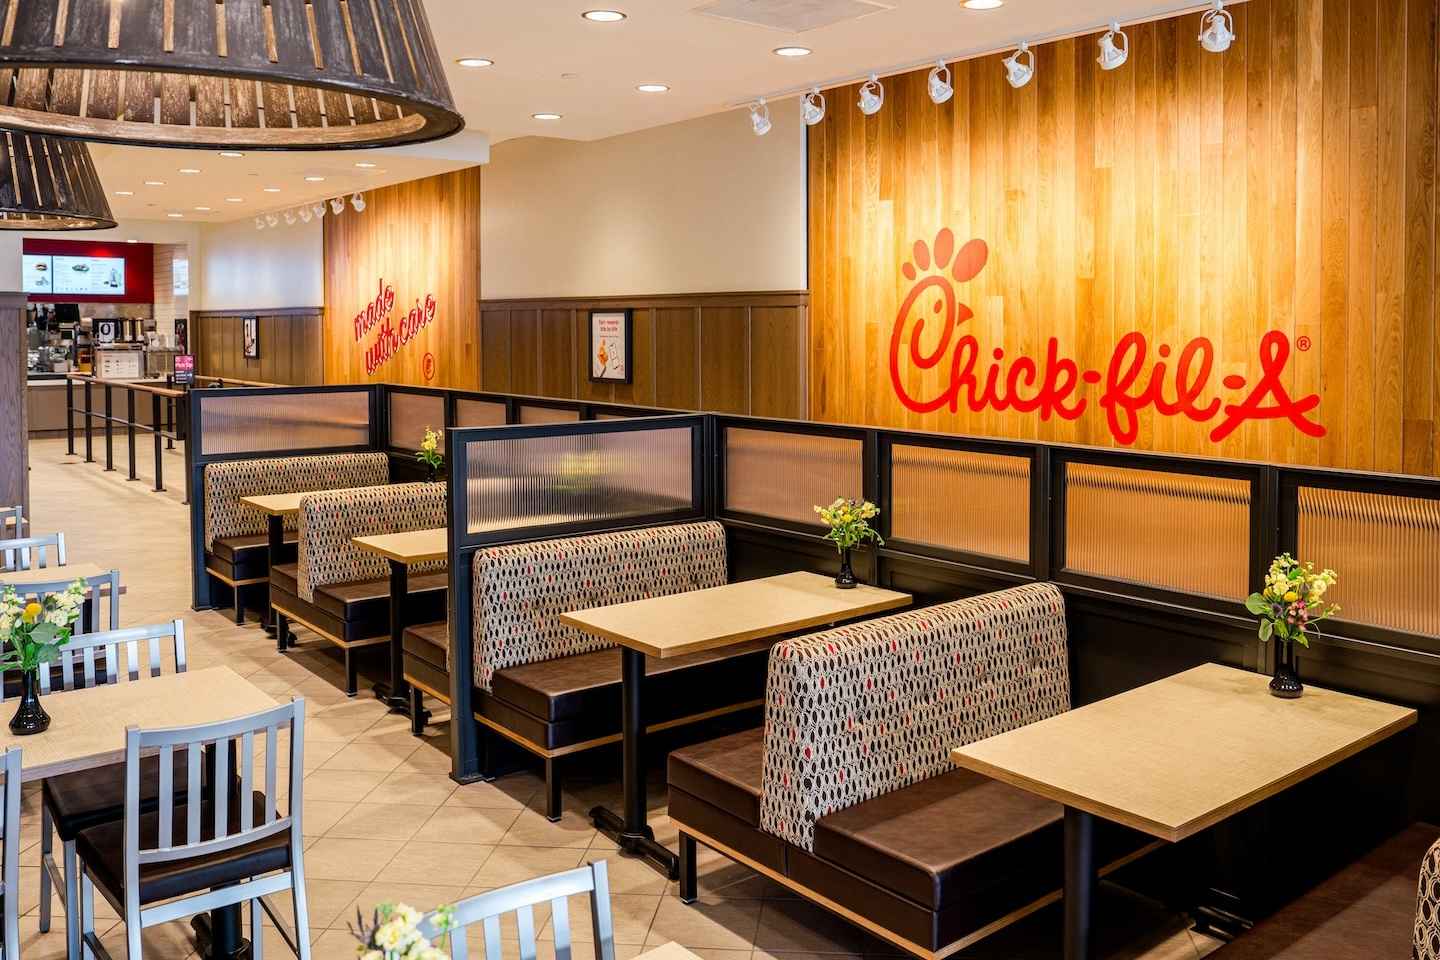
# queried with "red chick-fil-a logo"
point(388, 338)
point(1172, 385)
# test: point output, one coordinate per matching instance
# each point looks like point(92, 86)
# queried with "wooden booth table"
point(1174, 757)
point(403, 549)
point(276, 507)
point(681, 623)
point(87, 730)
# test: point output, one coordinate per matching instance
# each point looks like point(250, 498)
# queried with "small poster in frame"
point(182, 334)
point(251, 328)
point(611, 339)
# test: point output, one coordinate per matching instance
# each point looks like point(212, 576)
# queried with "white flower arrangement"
point(394, 933)
point(33, 631)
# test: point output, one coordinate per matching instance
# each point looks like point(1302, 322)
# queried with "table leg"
point(217, 934)
point(632, 831)
point(395, 693)
point(275, 527)
point(1079, 882)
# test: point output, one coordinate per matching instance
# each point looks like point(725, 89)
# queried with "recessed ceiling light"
point(232, 154)
point(364, 164)
point(545, 116)
point(132, 241)
point(653, 87)
point(791, 51)
point(154, 183)
point(314, 179)
point(124, 193)
point(982, 4)
point(202, 209)
point(189, 170)
point(272, 189)
point(474, 62)
point(174, 216)
point(234, 199)
point(603, 16)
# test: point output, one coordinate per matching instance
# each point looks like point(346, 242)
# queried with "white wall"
point(241, 268)
point(693, 207)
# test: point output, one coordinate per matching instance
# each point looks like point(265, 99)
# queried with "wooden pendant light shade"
point(47, 183)
point(230, 74)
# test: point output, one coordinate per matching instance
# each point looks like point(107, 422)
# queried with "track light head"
point(290, 218)
point(1217, 29)
point(1020, 66)
point(304, 214)
point(337, 205)
point(872, 96)
point(357, 202)
point(318, 209)
point(939, 85)
point(760, 117)
point(812, 107)
point(272, 220)
point(259, 223)
point(1114, 48)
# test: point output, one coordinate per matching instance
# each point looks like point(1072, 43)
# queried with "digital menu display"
point(35, 273)
point(92, 276)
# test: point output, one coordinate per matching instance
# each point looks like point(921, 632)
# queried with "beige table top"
point(87, 727)
point(696, 620)
point(277, 504)
point(668, 951)
point(412, 546)
point(1181, 754)
point(67, 573)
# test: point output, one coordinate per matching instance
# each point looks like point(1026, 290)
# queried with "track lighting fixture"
point(358, 202)
point(760, 117)
point(812, 107)
point(318, 209)
point(1217, 29)
point(1114, 47)
point(259, 223)
point(289, 218)
point(305, 215)
point(337, 205)
point(272, 220)
point(1020, 66)
point(872, 96)
point(939, 85)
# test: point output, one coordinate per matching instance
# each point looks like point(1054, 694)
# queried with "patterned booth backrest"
point(329, 519)
point(872, 707)
point(521, 589)
point(226, 482)
point(1427, 907)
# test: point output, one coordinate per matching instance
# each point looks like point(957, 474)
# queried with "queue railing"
point(166, 422)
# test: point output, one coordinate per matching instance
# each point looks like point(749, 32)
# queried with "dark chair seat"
point(102, 849)
point(234, 549)
point(1364, 911)
point(724, 772)
point(87, 798)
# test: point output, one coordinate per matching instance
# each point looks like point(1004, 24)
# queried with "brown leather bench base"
point(352, 614)
point(246, 558)
point(1365, 911)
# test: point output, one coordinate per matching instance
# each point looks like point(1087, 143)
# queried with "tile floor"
point(383, 819)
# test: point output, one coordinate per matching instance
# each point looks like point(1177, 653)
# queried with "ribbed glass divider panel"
point(410, 415)
point(261, 423)
point(961, 500)
point(479, 413)
point(772, 473)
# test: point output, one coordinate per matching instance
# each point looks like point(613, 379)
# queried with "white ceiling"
point(549, 59)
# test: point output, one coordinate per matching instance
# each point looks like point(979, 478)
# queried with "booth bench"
point(554, 690)
point(342, 592)
point(847, 795)
point(235, 535)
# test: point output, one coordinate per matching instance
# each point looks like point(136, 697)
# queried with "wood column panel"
point(14, 403)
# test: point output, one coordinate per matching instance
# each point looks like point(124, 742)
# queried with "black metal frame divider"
point(162, 425)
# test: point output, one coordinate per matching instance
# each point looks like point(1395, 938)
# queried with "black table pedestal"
point(632, 831)
point(1079, 882)
point(275, 528)
point(217, 935)
point(395, 693)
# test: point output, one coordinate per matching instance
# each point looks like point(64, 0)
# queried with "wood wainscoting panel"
point(741, 353)
point(1259, 223)
point(289, 345)
point(421, 240)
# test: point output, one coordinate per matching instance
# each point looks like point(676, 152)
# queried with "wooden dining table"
point(1174, 757)
point(87, 730)
point(690, 622)
point(402, 550)
point(276, 507)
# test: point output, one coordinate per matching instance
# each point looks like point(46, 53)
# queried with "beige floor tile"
point(341, 858)
point(421, 896)
point(342, 785)
point(509, 865)
point(532, 829)
point(326, 901)
point(321, 815)
point(430, 789)
point(632, 915)
point(382, 757)
point(467, 825)
point(436, 863)
point(718, 923)
point(333, 944)
point(383, 821)
point(509, 792)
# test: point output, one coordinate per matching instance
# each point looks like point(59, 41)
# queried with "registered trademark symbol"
point(1302, 344)
point(428, 366)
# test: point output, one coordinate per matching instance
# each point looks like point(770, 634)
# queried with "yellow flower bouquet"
point(847, 525)
point(1289, 606)
point(429, 452)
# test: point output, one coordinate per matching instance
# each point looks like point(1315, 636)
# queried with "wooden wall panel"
point(422, 238)
point(740, 353)
point(14, 403)
point(1287, 185)
point(289, 346)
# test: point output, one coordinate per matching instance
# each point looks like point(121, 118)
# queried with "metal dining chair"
point(521, 899)
point(12, 527)
point(186, 857)
point(73, 801)
point(10, 856)
point(22, 553)
point(102, 586)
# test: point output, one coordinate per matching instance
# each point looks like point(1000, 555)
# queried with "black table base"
point(1079, 882)
point(217, 935)
point(632, 831)
point(395, 693)
point(275, 530)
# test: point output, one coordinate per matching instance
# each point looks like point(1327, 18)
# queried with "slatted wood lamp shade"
point(230, 74)
point(47, 183)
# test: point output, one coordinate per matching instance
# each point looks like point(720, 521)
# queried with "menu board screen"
point(36, 274)
point(102, 276)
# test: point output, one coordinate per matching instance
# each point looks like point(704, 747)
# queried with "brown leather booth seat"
point(246, 556)
point(1364, 911)
point(931, 862)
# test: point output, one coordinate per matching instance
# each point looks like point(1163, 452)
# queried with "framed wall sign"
point(611, 339)
point(184, 368)
point(182, 334)
point(251, 328)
